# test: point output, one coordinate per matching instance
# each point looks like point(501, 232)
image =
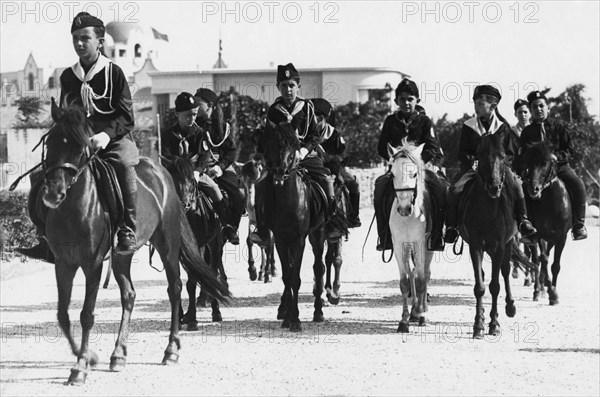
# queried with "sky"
point(446, 47)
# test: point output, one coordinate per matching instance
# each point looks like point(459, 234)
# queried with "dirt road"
point(544, 350)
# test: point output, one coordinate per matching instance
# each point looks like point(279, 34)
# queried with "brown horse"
point(80, 235)
point(549, 208)
point(293, 210)
point(487, 225)
point(250, 172)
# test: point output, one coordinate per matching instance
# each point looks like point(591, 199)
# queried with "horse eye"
point(65, 140)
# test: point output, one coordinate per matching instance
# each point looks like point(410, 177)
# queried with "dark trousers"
point(353, 191)
point(576, 189)
point(229, 182)
point(123, 155)
point(383, 198)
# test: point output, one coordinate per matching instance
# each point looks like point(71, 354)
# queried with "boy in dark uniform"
point(553, 131)
point(487, 121)
point(100, 87)
point(186, 138)
point(523, 116)
point(416, 127)
point(216, 133)
point(300, 114)
point(334, 146)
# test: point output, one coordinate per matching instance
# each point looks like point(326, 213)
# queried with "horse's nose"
point(495, 190)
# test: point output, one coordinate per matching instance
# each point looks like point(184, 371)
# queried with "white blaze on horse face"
point(405, 178)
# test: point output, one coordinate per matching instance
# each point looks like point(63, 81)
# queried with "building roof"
point(120, 31)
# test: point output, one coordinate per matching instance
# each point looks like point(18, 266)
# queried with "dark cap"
point(322, 106)
point(536, 95)
point(185, 101)
point(85, 20)
point(207, 95)
point(486, 90)
point(409, 86)
point(287, 72)
point(519, 103)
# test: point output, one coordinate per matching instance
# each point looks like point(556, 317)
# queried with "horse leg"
point(544, 277)
point(87, 357)
point(328, 263)
point(476, 252)
point(286, 297)
point(402, 258)
point(535, 271)
point(497, 263)
point(528, 274)
point(317, 241)
point(190, 318)
point(296, 253)
point(64, 283)
point(558, 249)
point(337, 265)
point(423, 259)
point(202, 297)
point(217, 261)
point(121, 270)
point(251, 268)
point(271, 258)
point(171, 265)
point(509, 308)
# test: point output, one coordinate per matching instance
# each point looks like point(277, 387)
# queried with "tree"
point(448, 134)
point(29, 110)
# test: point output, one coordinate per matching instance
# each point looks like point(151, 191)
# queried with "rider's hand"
point(100, 140)
point(215, 171)
point(301, 154)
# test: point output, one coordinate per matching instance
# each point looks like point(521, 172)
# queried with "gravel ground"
point(544, 350)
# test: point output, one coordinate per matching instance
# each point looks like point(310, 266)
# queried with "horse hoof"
point(510, 310)
point(77, 377)
point(252, 274)
point(334, 300)
point(494, 330)
point(260, 276)
point(422, 321)
point(285, 324)
point(281, 314)
point(217, 318)
point(402, 327)
point(117, 364)
point(413, 318)
point(93, 361)
point(201, 302)
point(477, 333)
point(553, 302)
point(318, 318)
point(536, 296)
point(553, 297)
point(267, 278)
point(170, 359)
point(295, 327)
point(192, 326)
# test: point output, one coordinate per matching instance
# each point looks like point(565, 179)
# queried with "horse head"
point(68, 151)
point(407, 172)
point(281, 144)
point(540, 169)
point(182, 172)
point(491, 169)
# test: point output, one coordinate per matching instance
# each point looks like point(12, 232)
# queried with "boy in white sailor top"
point(300, 113)
point(487, 121)
point(100, 87)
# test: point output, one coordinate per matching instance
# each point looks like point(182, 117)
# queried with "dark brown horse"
point(549, 208)
point(207, 229)
point(250, 172)
point(80, 235)
point(293, 210)
point(487, 224)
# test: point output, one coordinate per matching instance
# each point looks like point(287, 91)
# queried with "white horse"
point(410, 225)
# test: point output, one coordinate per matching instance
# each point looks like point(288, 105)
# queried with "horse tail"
point(194, 264)
point(519, 258)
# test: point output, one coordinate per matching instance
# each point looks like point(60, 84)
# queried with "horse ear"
point(419, 149)
point(55, 111)
point(392, 150)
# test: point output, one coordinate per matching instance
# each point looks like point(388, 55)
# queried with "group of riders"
point(200, 133)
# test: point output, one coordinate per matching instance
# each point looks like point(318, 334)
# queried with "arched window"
point(51, 82)
point(30, 81)
point(138, 51)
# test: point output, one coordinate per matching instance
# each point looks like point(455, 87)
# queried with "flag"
point(160, 36)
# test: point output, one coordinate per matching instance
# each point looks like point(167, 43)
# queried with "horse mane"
point(287, 136)
point(73, 123)
point(182, 166)
point(538, 154)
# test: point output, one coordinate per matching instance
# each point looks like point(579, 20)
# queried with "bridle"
point(502, 178)
point(413, 189)
point(550, 177)
point(69, 166)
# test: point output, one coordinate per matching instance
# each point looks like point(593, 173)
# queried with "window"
point(122, 53)
point(51, 83)
point(30, 82)
point(138, 51)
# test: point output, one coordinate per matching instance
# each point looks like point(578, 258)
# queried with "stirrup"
point(126, 241)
